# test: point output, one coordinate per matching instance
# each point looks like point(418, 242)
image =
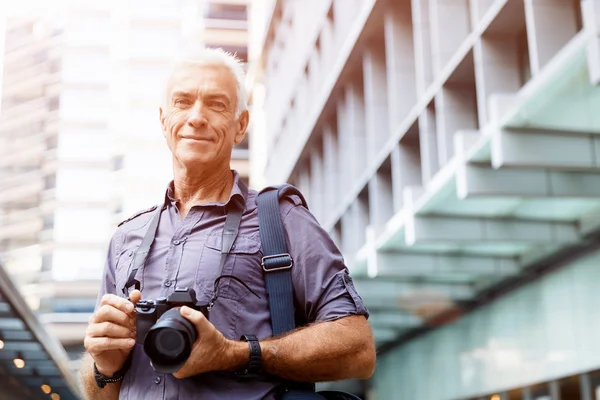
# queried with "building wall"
point(366, 99)
point(546, 330)
point(374, 109)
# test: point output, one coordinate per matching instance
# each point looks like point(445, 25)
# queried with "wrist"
point(105, 372)
point(237, 354)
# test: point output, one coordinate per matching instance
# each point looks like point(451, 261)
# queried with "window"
point(236, 12)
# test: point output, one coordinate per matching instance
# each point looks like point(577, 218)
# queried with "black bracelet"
point(102, 380)
point(254, 366)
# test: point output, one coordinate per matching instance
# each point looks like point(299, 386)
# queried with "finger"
point(184, 372)
point(97, 345)
point(109, 329)
point(117, 302)
point(195, 317)
point(135, 296)
point(108, 313)
point(181, 374)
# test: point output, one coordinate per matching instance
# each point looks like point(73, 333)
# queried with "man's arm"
point(324, 351)
point(316, 353)
point(338, 343)
point(88, 383)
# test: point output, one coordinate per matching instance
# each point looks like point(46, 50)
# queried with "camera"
point(167, 336)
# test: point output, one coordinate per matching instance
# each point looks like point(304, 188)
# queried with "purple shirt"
point(186, 253)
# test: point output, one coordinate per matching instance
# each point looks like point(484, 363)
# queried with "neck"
point(199, 188)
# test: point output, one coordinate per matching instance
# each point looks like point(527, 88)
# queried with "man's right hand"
point(111, 332)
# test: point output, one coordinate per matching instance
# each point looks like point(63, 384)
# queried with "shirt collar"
point(237, 193)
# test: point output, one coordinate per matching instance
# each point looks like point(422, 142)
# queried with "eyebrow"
point(180, 93)
point(218, 96)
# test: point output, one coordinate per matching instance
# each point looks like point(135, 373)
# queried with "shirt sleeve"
point(108, 281)
point(321, 281)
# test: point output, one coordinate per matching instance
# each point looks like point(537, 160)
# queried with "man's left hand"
point(210, 352)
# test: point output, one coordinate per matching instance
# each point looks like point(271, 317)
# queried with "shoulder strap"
point(277, 262)
point(142, 252)
point(277, 265)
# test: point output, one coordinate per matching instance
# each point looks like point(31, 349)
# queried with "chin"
point(194, 161)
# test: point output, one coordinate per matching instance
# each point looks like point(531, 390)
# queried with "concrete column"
point(590, 10)
point(317, 183)
point(355, 114)
point(400, 58)
point(406, 170)
point(456, 109)
point(360, 209)
point(381, 201)
point(554, 388)
point(304, 182)
point(344, 142)
point(450, 25)
point(422, 45)
point(497, 69)
point(550, 25)
point(585, 384)
point(428, 144)
point(376, 107)
point(330, 169)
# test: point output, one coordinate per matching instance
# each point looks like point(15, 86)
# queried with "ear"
point(162, 121)
point(242, 125)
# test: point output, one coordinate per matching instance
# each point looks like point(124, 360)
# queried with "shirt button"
point(167, 283)
point(157, 380)
point(176, 242)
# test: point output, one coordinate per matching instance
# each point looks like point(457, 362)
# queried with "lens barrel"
point(169, 342)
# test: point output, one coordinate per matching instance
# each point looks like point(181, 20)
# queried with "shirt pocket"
point(243, 262)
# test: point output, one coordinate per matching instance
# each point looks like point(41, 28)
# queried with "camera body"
point(167, 336)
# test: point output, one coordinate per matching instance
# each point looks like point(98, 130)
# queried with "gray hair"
point(216, 57)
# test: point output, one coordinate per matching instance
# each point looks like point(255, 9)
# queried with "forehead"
point(202, 78)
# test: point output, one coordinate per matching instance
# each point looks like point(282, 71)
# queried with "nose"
point(196, 117)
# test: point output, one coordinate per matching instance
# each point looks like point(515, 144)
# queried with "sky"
point(12, 8)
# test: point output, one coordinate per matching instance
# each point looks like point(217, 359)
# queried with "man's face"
point(199, 119)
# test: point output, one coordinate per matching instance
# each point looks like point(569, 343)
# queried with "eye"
point(182, 102)
point(217, 105)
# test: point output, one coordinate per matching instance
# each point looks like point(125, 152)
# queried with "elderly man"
point(203, 117)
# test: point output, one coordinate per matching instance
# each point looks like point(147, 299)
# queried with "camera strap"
point(235, 209)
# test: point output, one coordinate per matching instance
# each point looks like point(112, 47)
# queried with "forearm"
point(91, 391)
point(341, 349)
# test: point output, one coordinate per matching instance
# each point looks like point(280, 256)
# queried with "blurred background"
point(450, 147)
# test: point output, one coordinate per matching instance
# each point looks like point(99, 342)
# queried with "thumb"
point(135, 296)
point(194, 316)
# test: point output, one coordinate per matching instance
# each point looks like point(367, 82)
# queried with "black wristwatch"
point(102, 380)
point(254, 366)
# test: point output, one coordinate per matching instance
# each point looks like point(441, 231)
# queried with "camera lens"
point(169, 342)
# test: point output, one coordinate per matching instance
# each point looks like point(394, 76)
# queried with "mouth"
point(197, 139)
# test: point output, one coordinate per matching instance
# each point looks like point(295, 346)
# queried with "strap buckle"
point(282, 265)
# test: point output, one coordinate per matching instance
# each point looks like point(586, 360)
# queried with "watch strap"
point(254, 366)
point(102, 380)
